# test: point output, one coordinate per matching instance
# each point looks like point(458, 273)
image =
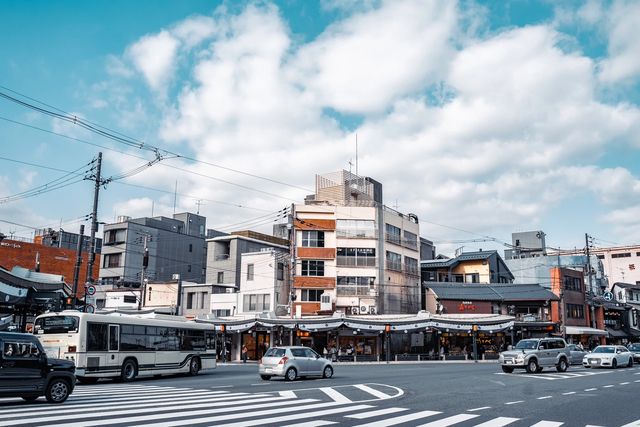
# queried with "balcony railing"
point(394, 265)
point(360, 291)
point(351, 261)
point(393, 238)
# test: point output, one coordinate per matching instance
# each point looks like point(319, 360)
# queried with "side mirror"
point(540, 347)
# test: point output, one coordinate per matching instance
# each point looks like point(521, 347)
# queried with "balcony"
point(222, 257)
point(393, 238)
point(394, 265)
point(352, 261)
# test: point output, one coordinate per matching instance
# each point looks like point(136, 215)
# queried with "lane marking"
point(479, 409)
point(380, 395)
point(335, 395)
point(544, 423)
point(376, 413)
point(625, 383)
point(399, 420)
point(632, 424)
point(449, 421)
point(288, 393)
point(637, 381)
point(277, 420)
point(315, 423)
point(544, 397)
point(590, 389)
point(608, 386)
point(514, 402)
point(568, 393)
point(498, 422)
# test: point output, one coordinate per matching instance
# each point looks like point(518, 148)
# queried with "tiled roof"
point(490, 292)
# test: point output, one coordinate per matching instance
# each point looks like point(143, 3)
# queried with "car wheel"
point(57, 391)
point(265, 377)
point(630, 363)
point(194, 366)
point(30, 398)
point(129, 370)
point(87, 380)
point(532, 366)
point(291, 374)
point(507, 369)
point(327, 372)
point(614, 364)
point(562, 365)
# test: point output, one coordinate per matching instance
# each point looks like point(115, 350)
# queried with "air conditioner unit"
point(372, 309)
point(354, 310)
point(363, 309)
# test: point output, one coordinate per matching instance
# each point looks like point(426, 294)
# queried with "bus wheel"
point(87, 380)
point(194, 366)
point(129, 370)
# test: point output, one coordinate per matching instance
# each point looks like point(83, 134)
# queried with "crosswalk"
point(552, 376)
point(362, 405)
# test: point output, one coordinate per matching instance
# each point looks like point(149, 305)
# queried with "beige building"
point(352, 253)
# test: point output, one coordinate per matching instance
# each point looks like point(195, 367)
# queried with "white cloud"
point(623, 62)
point(154, 56)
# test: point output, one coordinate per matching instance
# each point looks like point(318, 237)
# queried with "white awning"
point(583, 330)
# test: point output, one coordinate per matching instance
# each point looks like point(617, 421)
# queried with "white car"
point(610, 356)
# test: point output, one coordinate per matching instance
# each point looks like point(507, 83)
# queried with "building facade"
point(352, 253)
point(467, 267)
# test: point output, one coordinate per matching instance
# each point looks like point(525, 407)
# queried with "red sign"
point(467, 306)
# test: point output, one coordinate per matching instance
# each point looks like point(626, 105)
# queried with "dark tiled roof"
point(491, 292)
point(626, 285)
point(466, 256)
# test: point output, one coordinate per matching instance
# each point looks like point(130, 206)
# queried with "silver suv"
point(535, 354)
point(293, 362)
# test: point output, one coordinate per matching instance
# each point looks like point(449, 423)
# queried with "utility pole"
point(94, 221)
point(145, 264)
point(76, 270)
point(591, 293)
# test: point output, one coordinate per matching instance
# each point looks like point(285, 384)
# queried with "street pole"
point(591, 307)
point(76, 270)
point(475, 344)
point(145, 263)
point(94, 221)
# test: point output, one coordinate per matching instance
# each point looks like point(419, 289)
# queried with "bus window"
point(114, 337)
point(96, 336)
point(56, 325)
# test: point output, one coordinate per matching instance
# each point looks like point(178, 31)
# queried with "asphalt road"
point(432, 394)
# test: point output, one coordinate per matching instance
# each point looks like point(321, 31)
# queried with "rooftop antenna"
point(175, 197)
point(198, 203)
point(350, 164)
point(357, 154)
point(152, 206)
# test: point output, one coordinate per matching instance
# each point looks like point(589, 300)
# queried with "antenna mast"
point(357, 154)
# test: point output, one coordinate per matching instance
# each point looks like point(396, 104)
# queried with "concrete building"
point(527, 244)
point(621, 264)
point(64, 239)
point(224, 254)
point(176, 246)
point(352, 253)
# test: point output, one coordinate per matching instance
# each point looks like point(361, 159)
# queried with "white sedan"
point(610, 356)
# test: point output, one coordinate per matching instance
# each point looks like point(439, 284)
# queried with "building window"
point(312, 268)
point(190, 247)
point(130, 299)
point(112, 260)
point(392, 234)
point(221, 313)
point(472, 278)
point(356, 228)
point(113, 237)
point(311, 295)
point(355, 285)
point(600, 256)
point(575, 311)
point(621, 255)
point(256, 302)
point(312, 239)
point(190, 297)
point(249, 271)
point(203, 296)
point(411, 266)
point(220, 277)
point(410, 240)
point(394, 261)
point(280, 271)
point(189, 268)
point(572, 283)
point(356, 257)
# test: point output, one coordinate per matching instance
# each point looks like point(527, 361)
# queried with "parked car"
point(608, 356)
point(635, 351)
point(27, 372)
point(577, 354)
point(535, 354)
point(293, 362)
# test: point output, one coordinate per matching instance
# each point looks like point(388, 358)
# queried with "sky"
point(483, 118)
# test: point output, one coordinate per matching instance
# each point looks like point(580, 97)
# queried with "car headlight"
point(520, 358)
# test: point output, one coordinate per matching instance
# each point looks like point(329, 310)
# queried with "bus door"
point(113, 345)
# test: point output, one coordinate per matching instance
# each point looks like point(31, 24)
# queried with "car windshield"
point(527, 345)
point(635, 347)
point(604, 350)
point(275, 352)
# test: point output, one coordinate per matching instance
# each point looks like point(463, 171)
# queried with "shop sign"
point(467, 306)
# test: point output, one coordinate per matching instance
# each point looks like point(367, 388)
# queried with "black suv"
point(27, 372)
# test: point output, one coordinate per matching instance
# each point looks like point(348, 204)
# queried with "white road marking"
point(590, 389)
point(479, 409)
point(498, 422)
point(544, 397)
point(315, 423)
point(399, 420)
point(608, 386)
point(372, 391)
point(625, 383)
point(568, 393)
point(544, 423)
point(288, 393)
point(375, 413)
point(335, 395)
point(514, 402)
point(637, 381)
point(635, 423)
point(449, 421)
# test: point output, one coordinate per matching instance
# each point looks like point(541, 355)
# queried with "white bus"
point(124, 346)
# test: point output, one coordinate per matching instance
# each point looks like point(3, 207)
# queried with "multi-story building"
point(64, 239)
point(176, 246)
point(621, 264)
point(526, 244)
point(351, 252)
point(467, 267)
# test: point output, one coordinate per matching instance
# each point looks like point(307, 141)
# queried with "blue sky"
point(490, 117)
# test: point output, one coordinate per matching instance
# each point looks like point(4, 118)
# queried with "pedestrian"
point(441, 352)
point(325, 352)
point(245, 353)
point(334, 354)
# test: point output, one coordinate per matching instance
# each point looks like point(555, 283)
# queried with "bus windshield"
point(56, 325)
